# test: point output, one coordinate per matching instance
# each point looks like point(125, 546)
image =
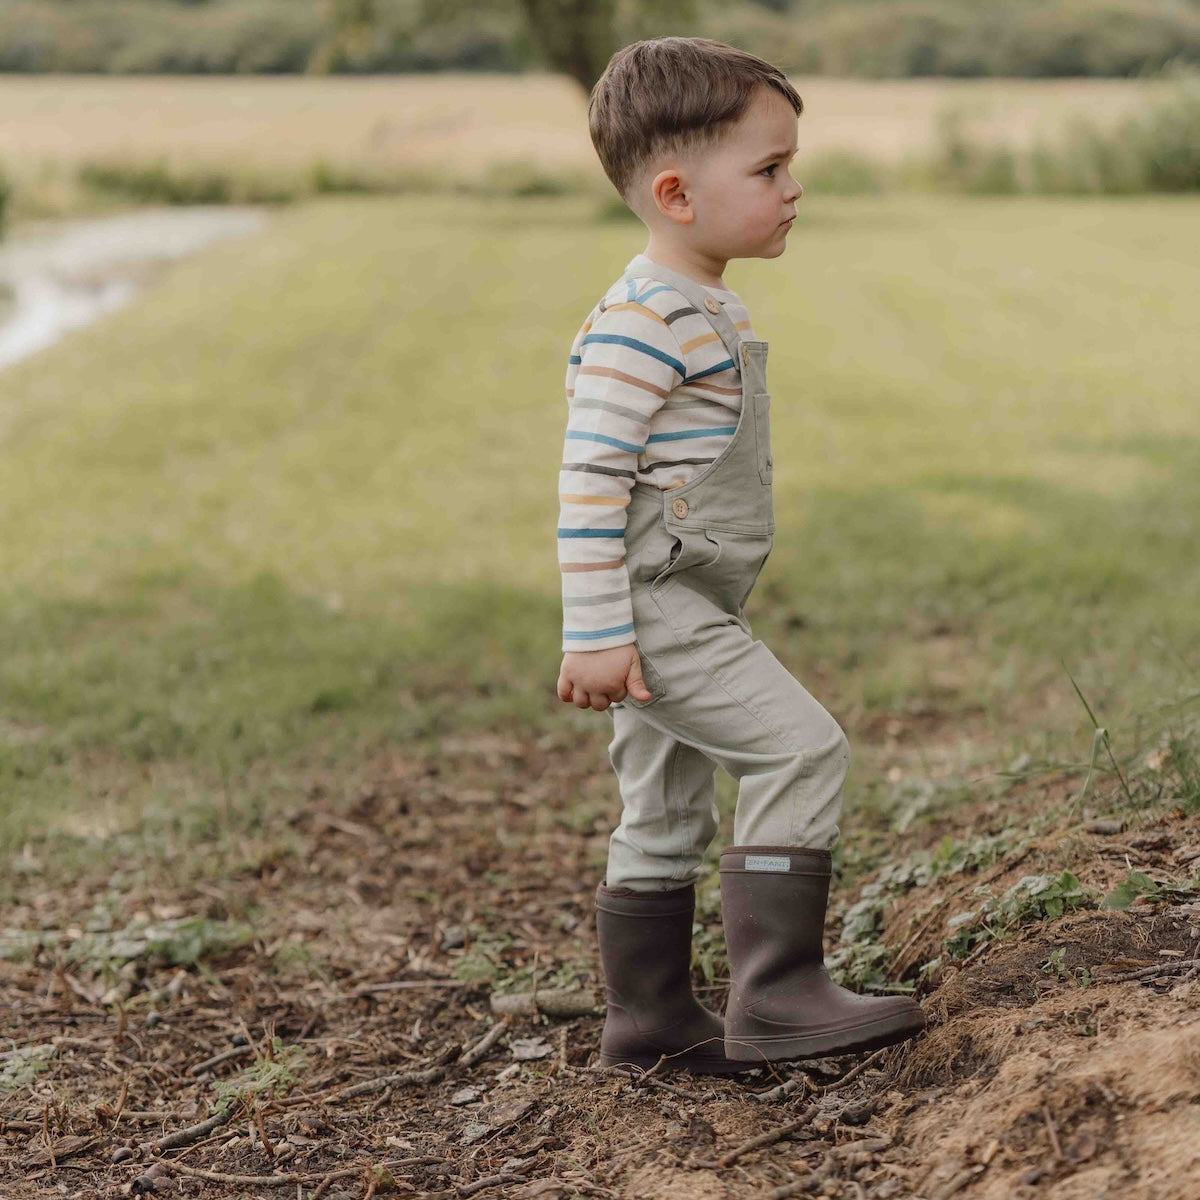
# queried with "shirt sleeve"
point(628, 361)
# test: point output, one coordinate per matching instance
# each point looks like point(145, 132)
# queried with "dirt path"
point(323, 986)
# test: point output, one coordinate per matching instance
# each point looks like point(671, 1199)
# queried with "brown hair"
point(673, 94)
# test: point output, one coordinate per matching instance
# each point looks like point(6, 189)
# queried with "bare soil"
point(384, 921)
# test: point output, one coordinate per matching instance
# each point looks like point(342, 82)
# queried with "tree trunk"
point(576, 37)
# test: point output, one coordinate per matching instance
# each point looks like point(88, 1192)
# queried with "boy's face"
point(740, 192)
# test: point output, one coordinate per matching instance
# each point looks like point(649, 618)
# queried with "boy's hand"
point(598, 678)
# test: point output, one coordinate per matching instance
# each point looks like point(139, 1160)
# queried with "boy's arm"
point(624, 364)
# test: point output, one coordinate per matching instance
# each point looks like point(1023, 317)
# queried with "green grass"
point(297, 505)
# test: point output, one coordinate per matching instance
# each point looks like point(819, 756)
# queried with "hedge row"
point(874, 38)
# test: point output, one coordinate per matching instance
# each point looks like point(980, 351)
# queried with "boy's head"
point(696, 136)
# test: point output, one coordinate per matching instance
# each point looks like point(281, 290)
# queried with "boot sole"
point(694, 1066)
point(843, 1041)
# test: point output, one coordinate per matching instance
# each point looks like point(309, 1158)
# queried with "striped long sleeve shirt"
point(652, 396)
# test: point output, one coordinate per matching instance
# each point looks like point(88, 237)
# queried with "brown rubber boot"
point(782, 1003)
point(646, 952)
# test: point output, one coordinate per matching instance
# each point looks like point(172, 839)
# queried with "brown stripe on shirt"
point(613, 373)
point(601, 566)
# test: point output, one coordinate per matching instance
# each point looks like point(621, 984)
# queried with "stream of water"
point(65, 274)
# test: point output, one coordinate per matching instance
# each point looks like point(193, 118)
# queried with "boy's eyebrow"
point(778, 154)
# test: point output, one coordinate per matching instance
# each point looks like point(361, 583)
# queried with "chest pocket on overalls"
point(762, 434)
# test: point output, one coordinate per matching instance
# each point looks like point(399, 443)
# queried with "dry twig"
point(574, 1002)
point(217, 1059)
point(193, 1133)
point(1169, 968)
point(469, 1189)
point(468, 1058)
point(794, 1085)
point(769, 1138)
point(236, 1180)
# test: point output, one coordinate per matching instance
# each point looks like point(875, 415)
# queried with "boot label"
point(767, 862)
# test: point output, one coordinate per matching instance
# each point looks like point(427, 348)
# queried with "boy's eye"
point(770, 168)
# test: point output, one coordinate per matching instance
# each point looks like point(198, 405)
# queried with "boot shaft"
point(772, 896)
point(645, 941)
point(783, 1004)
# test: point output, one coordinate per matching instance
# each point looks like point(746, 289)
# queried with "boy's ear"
point(668, 190)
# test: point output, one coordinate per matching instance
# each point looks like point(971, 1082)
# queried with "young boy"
point(665, 523)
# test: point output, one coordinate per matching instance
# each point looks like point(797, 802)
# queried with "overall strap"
point(697, 294)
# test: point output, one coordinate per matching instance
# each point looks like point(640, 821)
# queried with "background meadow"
point(315, 518)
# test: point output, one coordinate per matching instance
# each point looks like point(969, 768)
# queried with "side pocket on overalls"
point(693, 549)
point(653, 681)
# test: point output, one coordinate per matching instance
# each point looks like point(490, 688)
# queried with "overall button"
point(745, 354)
point(680, 508)
point(711, 305)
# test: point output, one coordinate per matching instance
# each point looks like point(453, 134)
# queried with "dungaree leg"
point(669, 813)
point(645, 908)
point(733, 702)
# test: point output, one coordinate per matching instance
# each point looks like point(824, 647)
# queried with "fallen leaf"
point(525, 1049)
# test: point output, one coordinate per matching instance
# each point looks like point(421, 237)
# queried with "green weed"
point(1055, 965)
point(1032, 898)
point(179, 942)
point(21, 1066)
point(861, 957)
point(1182, 764)
point(273, 1073)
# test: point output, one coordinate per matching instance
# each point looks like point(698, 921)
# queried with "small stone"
point(1082, 1148)
point(467, 1095)
point(122, 1154)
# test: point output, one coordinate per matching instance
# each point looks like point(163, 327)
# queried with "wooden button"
point(745, 354)
point(711, 305)
point(680, 508)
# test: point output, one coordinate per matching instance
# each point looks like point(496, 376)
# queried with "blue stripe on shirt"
point(577, 635)
point(690, 433)
point(569, 533)
point(653, 291)
point(574, 435)
point(617, 339)
point(721, 366)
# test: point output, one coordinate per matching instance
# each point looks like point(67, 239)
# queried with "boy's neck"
point(702, 268)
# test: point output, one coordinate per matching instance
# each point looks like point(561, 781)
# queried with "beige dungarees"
point(719, 697)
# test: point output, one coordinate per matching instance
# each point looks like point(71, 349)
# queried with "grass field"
point(266, 520)
point(270, 129)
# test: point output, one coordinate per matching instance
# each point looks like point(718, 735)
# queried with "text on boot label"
point(765, 862)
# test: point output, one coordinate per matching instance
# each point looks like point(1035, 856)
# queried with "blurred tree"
point(576, 37)
point(349, 27)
